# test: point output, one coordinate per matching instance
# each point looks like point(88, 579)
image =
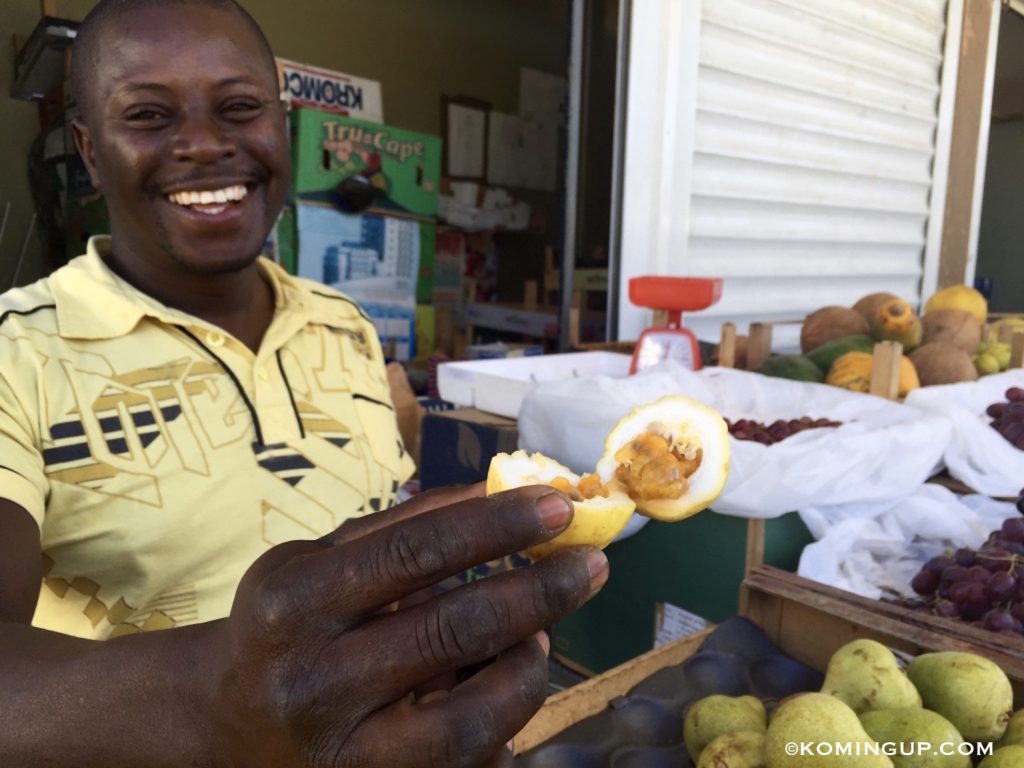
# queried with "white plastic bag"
point(877, 549)
point(882, 452)
point(976, 455)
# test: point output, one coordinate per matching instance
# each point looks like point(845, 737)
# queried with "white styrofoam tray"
point(499, 386)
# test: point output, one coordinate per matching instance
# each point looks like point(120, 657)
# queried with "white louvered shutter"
point(797, 151)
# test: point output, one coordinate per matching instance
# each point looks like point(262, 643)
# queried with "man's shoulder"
point(30, 306)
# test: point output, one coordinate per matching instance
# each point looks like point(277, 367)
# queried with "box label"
point(331, 91)
point(357, 165)
point(672, 622)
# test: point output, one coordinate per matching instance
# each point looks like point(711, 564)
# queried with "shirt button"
point(264, 373)
point(215, 339)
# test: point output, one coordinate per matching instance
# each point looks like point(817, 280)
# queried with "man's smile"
point(209, 201)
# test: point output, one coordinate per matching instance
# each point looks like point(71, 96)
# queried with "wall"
point(1001, 236)
point(416, 49)
point(1001, 239)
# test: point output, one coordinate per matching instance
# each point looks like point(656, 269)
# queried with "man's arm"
point(311, 669)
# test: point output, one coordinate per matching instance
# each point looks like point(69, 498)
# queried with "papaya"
point(896, 321)
point(795, 367)
point(867, 306)
point(852, 371)
point(830, 351)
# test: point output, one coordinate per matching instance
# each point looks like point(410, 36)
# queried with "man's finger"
point(473, 623)
point(356, 578)
point(470, 726)
point(417, 505)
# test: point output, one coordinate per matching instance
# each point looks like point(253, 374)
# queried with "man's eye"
point(144, 114)
point(242, 108)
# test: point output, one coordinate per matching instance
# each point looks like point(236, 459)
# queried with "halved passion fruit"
point(600, 512)
point(668, 460)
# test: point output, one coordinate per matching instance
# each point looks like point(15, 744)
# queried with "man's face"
point(186, 138)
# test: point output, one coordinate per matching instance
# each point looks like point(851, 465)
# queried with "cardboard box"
point(808, 621)
point(399, 171)
point(456, 447)
point(330, 91)
point(499, 386)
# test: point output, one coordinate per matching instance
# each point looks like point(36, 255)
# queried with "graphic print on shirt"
point(125, 425)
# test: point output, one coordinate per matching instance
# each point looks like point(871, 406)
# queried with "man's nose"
point(201, 138)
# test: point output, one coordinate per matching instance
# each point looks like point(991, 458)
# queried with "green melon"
point(796, 367)
point(830, 351)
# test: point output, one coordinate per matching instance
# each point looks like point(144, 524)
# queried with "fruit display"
point(959, 297)
point(830, 323)
point(667, 460)
point(952, 326)
point(867, 700)
point(886, 687)
point(984, 586)
point(716, 716)
point(992, 357)
point(948, 344)
point(853, 371)
point(1008, 417)
point(939, 362)
point(896, 321)
point(795, 367)
point(777, 431)
point(995, 331)
point(825, 355)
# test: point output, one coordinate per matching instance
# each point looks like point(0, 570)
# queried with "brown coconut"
point(868, 306)
point(953, 326)
point(830, 323)
point(939, 362)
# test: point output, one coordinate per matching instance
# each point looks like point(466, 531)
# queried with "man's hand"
point(312, 670)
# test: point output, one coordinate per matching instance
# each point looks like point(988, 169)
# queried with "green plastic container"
point(695, 564)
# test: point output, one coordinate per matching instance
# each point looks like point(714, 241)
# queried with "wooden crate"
point(805, 619)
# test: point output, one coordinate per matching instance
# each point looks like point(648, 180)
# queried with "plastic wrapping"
point(976, 454)
point(881, 453)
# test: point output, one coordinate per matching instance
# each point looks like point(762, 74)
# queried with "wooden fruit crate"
point(805, 619)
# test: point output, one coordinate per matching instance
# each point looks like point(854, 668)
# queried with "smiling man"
point(191, 439)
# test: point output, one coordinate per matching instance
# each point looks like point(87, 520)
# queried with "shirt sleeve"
point(22, 476)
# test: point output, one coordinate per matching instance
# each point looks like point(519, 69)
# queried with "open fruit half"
point(597, 518)
point(671, 456)
point(668, 460)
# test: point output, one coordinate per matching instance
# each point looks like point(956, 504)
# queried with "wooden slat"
point(727, 346)
point(759, 345)
point(885, 369)
point(591, 696)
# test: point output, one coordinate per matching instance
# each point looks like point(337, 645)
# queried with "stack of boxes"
point(362, 218)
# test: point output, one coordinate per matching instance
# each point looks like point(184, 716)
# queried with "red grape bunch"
point(1008, 417)
point(983, 586)
point(779, 430)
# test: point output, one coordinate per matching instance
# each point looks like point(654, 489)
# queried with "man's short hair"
point(86, 48)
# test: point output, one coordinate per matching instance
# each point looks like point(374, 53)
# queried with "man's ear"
point(83, 142)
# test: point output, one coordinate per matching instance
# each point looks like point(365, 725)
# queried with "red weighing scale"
point(674, 295)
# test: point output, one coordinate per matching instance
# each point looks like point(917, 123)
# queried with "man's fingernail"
point(597, 567)
point(554, 510)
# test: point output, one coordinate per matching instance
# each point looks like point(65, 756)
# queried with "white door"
point(795, 148)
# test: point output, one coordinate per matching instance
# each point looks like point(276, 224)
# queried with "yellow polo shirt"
point(161, 457)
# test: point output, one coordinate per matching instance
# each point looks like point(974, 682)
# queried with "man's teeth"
point(210, 197)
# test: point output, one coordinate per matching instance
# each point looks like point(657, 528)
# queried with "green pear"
point(1005, 757)
point(805, 727)
point(715, 716)
point(743, 749)
point(913, 727)
point(1014, 730)
point(970, 691)
point(865, 675)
